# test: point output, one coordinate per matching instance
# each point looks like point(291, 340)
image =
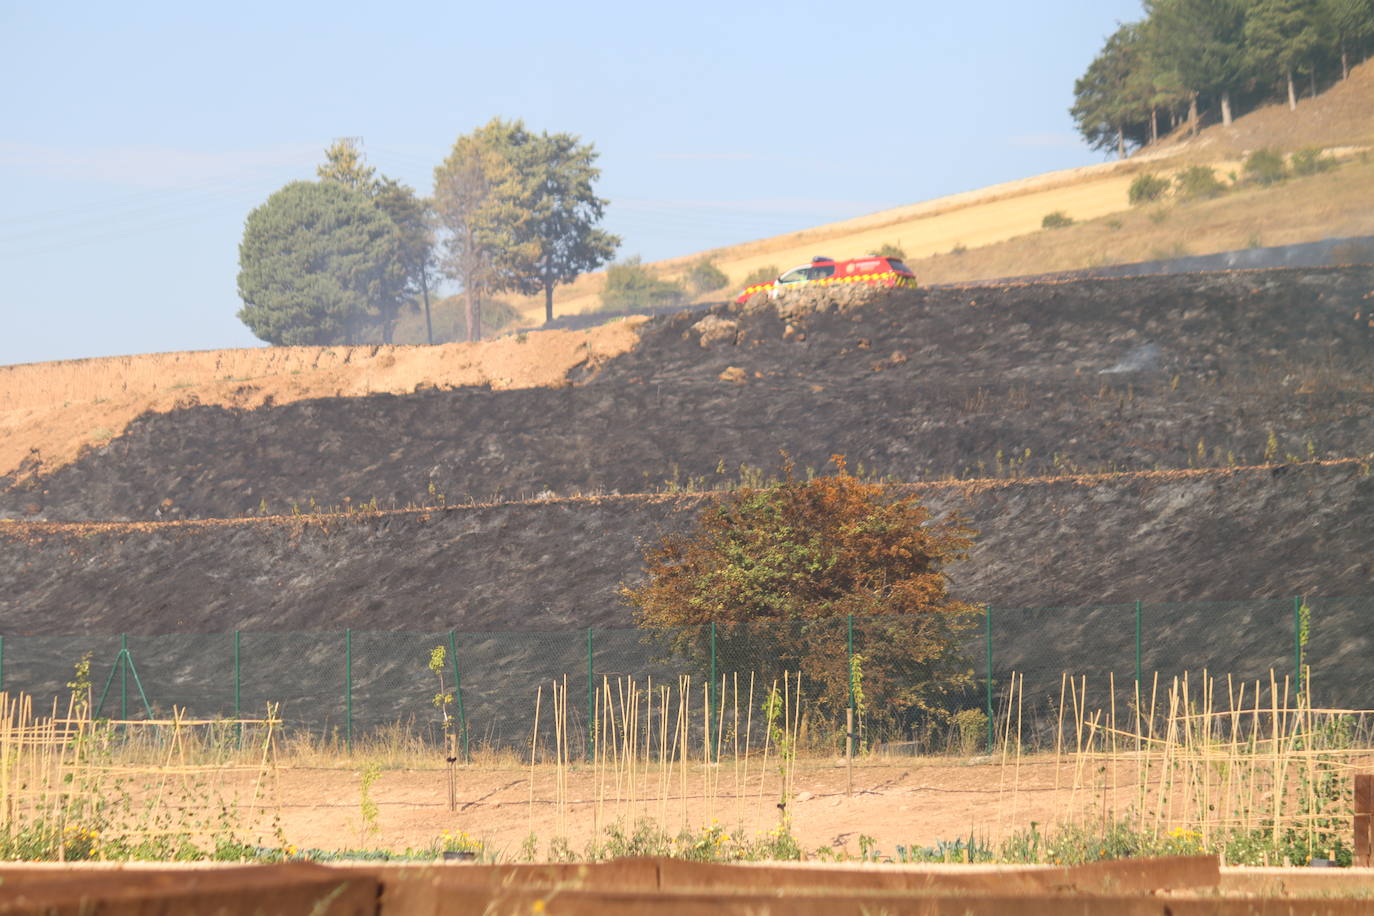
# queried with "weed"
point(1146, 188)
point(1199, 182)
point(1058, 219)
point(367, 806)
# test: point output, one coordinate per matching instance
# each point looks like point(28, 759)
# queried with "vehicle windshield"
point(820, 272)
point(796, 275)
point(897, 265)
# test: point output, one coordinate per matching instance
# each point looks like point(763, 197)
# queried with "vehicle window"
point(898, 265)
point(795, 275)
point(820, 272)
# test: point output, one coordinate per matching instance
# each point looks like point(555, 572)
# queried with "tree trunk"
point(470, 312)
point(1313, 75)
point(424, 291)
point(1192, 115)
point(1292, 94)
point(1226, 108)
point(1154, 125)
point(1120, 142)
point(1345, 63)
point(548, 302)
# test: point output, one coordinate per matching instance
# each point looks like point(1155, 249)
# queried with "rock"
point(804, 796)
point(734, 374)
point(713, 329)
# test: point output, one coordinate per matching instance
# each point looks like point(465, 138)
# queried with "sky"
point(136, 137)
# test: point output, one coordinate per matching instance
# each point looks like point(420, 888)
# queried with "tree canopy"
point(314, 264)
point(520, 212)
point(785, 565)
point(1217, 51)
point(557, 239)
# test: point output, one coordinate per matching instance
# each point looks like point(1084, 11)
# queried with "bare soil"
point(911, 802)
point(50, 412)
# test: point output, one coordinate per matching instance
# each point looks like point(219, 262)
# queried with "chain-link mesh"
point(899, 673)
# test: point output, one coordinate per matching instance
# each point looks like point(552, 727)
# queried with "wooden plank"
point(1364, 820)
point(296, 889)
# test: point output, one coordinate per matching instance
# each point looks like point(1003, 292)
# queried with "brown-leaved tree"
point(780, 570)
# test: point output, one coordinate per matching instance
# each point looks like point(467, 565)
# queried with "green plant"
point(438, 663)
point(1310, 160)
point(704, 276)
point(367, 805)
point(1115, 224)
point(1199, 182)
point(1265, 167)
point(1147, 187)
point(889, 250)
point(766, 274)
point(958, 249)
point(630, 285)
point(1056, 220)
point(971, 725)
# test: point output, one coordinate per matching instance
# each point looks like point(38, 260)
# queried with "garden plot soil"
point(1137, 373)
point(914, 802)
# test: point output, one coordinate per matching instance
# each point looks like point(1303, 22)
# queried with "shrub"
point(1265, 166)
point(1146, 188)
point(1310, 160)
point(889, 250)
point(630, 285)
point(763, 274)
point(781, 567)
point(704, 276)
point(972, 727)
point(1199, 182)
point(1056, 220)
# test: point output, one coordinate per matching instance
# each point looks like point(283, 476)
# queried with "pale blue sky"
point(135, 138)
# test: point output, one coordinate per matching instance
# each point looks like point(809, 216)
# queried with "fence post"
point(1137, 642)
point(591, 700)
point(987, 638)
point(123, 662)
point(711, 712)
point(458, 694)
point(238, 693)
point(2, 663)
point(348, 689)
point(238, 680)
point(1364, 820)
point(849, 730)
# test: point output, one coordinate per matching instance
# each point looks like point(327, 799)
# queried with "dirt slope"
point(50, 411)
point(1136, 373)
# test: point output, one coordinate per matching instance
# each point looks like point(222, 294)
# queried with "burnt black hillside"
point(558, 564)
point(1120, 374)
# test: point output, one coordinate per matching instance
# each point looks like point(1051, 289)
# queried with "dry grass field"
point(1006, 217)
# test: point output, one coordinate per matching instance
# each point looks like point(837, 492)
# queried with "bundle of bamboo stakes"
point(63, 772)
point(673, 754)
point(1200, 757)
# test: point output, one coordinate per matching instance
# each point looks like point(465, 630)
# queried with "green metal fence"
point(346, 684)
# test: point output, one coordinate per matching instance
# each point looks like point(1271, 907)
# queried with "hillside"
point(1128, 374)
point(1008, 215)
point(1199, 438)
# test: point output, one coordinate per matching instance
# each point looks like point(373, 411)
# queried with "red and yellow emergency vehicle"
point(877, 271)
